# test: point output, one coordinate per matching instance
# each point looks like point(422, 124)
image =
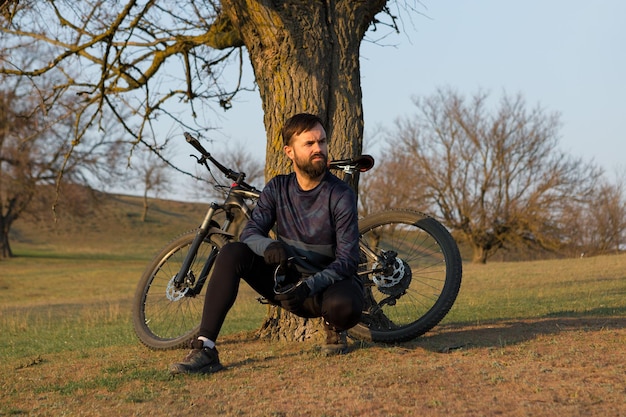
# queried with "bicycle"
point(409, 263)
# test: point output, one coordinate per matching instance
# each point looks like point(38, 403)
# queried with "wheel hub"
point(395, 281)
point(174, 292)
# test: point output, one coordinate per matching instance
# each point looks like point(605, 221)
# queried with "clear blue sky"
point(567, 56)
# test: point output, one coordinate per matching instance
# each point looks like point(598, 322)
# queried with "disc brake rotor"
point(397, 281)
point(172, 292)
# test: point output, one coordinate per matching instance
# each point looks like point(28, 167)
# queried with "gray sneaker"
point(336, 341)
point(201, 360)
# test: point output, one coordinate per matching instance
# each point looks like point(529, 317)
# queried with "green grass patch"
point(55, 304)
point(553, 288)
point(69, 344)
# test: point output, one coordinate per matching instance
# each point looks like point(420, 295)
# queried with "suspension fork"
point(197, 288)
point(202, 233)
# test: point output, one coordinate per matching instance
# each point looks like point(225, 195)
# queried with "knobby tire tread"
point(141, 328)
point(452, 283)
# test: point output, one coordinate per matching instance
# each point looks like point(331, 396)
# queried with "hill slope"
point(112, 225)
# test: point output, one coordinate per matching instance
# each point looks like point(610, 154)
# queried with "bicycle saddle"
point(362, 163)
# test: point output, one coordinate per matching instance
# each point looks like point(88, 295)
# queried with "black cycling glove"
point(275, 254)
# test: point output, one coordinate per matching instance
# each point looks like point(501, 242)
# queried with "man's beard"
point(309, 168)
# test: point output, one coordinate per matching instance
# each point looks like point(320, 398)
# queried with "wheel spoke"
point(162, 322)
point(418, 293)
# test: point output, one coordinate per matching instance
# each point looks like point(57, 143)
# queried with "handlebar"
point(238, 177)
point(361, 163)
point(194, 142)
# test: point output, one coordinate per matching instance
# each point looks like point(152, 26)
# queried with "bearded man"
point(314, 216)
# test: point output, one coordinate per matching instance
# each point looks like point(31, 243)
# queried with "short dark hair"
point(301, 122)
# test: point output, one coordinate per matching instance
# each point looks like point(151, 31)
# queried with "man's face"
point(309, 152)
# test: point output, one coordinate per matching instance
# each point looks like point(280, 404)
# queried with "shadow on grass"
point(493, 334)
point(501, 333)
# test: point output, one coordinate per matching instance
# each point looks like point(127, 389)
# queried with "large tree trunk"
point(305, 57)
point(280, 324)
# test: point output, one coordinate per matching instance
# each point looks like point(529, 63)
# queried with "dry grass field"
point(539, 338)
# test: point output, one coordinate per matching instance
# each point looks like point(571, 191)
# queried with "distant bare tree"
point(152, 175)
point(610, 214)
point(598, 226)
point(392, 183)
point(34, 150)
point(496, 177)
point(608, 218)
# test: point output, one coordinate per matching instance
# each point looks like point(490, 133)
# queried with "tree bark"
point(280, 325)
point(305, 57)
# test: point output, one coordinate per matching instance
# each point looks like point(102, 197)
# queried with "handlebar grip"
point(194, 142)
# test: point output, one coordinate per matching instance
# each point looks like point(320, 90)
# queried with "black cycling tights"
point(340, 304)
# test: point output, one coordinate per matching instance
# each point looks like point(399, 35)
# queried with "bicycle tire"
point(168, 323)
point(427, 295)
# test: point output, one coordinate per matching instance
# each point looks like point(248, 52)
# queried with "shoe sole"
point(209, 369)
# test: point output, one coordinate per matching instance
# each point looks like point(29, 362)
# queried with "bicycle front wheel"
point(166, 315)
point(423, 284)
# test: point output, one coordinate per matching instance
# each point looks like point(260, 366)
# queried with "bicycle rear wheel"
point(425, 281)
point(165, 316)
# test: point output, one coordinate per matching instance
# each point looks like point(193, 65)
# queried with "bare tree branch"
point(119, 58)
point(496, 176)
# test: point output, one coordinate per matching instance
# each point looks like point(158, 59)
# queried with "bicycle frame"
point(235, 200)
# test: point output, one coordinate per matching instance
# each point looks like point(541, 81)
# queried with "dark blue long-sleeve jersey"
point(320, 225)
